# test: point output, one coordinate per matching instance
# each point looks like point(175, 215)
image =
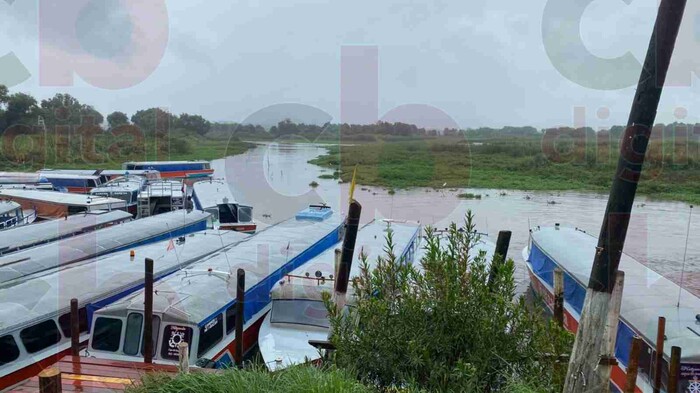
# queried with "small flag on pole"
point(171, 246)
point(352, 184)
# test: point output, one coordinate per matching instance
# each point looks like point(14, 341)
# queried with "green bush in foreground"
point(445, 328)
point(300, 379)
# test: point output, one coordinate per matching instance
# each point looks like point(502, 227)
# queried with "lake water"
point(275, 179)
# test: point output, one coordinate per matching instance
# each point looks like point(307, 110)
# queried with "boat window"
point(227, 213)
point(154, 336)
point(245, 213)
point(132, 337)
point(76, 209)
point(9, 352)
point(107, 334)
point(172, 336)
point(130, 167)
point(210, 334)
point(92, 183)
point(134, 196)
point(40, 336)
point(300, 312)
point(64, 322)
point(214, 212)
point(230, 319)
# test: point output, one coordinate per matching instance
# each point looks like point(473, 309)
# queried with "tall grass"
point(300, 379)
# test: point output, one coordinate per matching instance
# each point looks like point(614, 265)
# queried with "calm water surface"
point(275, 179)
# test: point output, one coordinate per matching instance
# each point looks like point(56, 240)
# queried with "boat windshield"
point(300, 312)
point(228, 213)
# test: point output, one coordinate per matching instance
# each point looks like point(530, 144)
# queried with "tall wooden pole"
point(659, 358)
point(588, 348)
point(348, 251)
point(558, 307)
point(500, 254)
point(148, 313)
point(674, 372)
point(633, 365)
point(240, 317)
point(74, 327)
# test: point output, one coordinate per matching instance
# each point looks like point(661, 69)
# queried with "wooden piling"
point(348, 250)
point(50, 381)
point(674, 372)
point(183, 357)
point(240, 301)
point(148, 313)
point(559, 296)
point(659, 358)
point(582, 375)
point(633, 366)
point(74, 327)
point(500, 254)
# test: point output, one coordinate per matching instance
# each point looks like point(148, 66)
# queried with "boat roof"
point(166, 162)
point(646, 295)
point(61, 198)
point(371, 241)
point(18, 177)
point(8, 206)
point(211, 193)
point(39, 298)
point(122, 183)
point(33, 261)
point(192, 295)
point(28, 235)
point(62, 175)
point(98, 172)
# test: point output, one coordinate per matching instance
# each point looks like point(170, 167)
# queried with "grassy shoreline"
point(506, 164)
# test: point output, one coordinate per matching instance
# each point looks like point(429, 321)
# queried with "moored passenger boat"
point(35, 312)
point(54, 204)
point(127, 188)
point(173, 169)
point(298, 313)
point(197, 304)
point(68, 182)
point(12, 215)
point(646, 296)
point(20, 238)
point(88, 246)
point(214, 196)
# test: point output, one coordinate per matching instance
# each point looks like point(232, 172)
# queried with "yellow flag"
point(352, 184)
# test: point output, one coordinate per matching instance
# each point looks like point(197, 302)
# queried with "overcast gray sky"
point(483, 63)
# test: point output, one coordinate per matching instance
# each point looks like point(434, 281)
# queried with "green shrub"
point(445, 328)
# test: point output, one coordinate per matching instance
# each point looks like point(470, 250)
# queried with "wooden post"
point(74, 327)
point(148, 313)
point(240, 301)
point(559, 297)
point(50, 381)
point(499, 255)
point(183, 357)
point(674, 372)
point(633, 365)
point(659, 358)
point(348, 251)
point(608, 358)
point(588, 348)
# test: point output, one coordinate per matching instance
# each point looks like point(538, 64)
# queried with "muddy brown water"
point(275, 178)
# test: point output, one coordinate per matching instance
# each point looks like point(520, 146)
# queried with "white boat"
point(645, 297)
point(88, 246)
point(298, 313)
point(26, 178)
point(12, 215)
point(23, 237)
point(197, 304)
point(72, 182)
point(127, 188)
point(54, 204)
point(104, 174)
point(35, 313)
point(214, 196)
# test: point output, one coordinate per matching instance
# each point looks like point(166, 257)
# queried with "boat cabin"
point(12, 215)
point(197, 304)
point(215, 196)
point(162, 196)
point(68, 182)
point(127, 188)
point(54, 204)
point(173, 169)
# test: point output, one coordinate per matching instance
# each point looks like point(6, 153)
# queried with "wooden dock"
point(85, 374)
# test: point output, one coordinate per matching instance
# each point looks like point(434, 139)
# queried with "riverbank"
point(515, 163)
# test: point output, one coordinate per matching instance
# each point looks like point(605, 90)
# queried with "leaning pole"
point(589, 349)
